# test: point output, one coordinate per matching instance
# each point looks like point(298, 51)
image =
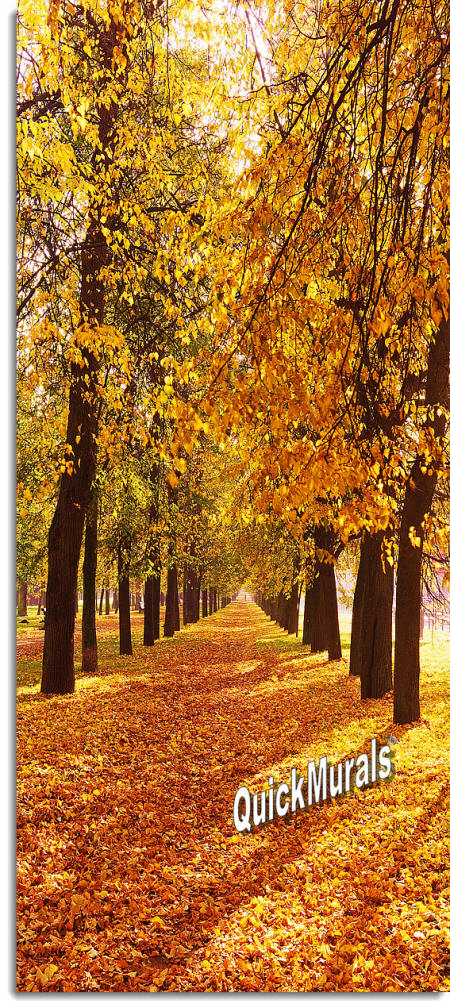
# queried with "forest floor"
point(131, 876)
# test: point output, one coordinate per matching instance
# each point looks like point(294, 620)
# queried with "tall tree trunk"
point(292, 612)
point(66, 530)
point(22, 599)
point(185, 600)
point(204, 603)
point(116, 600)
point(100, 604)
point(376, 619)
point(357, 618)
point(325, 618)
point(419, 492)
point(149, 634)
point(88, 630)
point(318, 621)
point(307, 616)
point(172, 613)
point(123, 564)
point(107, 607)
point(156, 595)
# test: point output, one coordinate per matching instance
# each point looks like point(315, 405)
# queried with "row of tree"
point(233, 311)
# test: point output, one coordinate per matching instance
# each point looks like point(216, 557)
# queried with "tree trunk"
point(357, 609)
point(156, 595)
point(375, 637)
point(292, 611)
point(318, 620)
point(190, 592)
point(204, 603)
point(116, 600)
point(417, 503)
point(149, 635)
point(88, 630)
point(172, 613)
point(185, 603)
point(123, 564)
point(307, 616)
point(325, 618)
point(66, 530)
point(107, 608)
point(22, 599)
point(100, 604)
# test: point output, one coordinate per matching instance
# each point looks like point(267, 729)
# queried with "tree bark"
point(156, 598)
point(107, 606)
point(204, 603)
point(123, 563)
point(376, 619)
point(185, 602)
point(325, 618)
point(292, 612)
point(22, 599)
point(419, 493)
point(100, 604)
point(357, 618)
point(172, 613)
point(88, 630)
point(307, 616)
point(149, 634)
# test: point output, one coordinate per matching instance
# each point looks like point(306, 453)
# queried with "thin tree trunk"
point(419, 493)
point(107, 606)
point(292, 611)
point(185, 600)
point(88, 629)
point(125, 646)
point(376, 619)
point(100, 604)
point(357, 609)
point(22, 600)
point(204, 603)
point(172, 613)
point(156, 597)
point(325, 618)
point(149, 635)
point(307, 616)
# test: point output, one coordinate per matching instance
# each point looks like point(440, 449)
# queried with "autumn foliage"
point(131, 876)
point(233, 356)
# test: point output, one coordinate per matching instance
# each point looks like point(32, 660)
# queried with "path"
point(131, 875)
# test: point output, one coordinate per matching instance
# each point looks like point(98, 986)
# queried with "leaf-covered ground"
point(131, 876)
